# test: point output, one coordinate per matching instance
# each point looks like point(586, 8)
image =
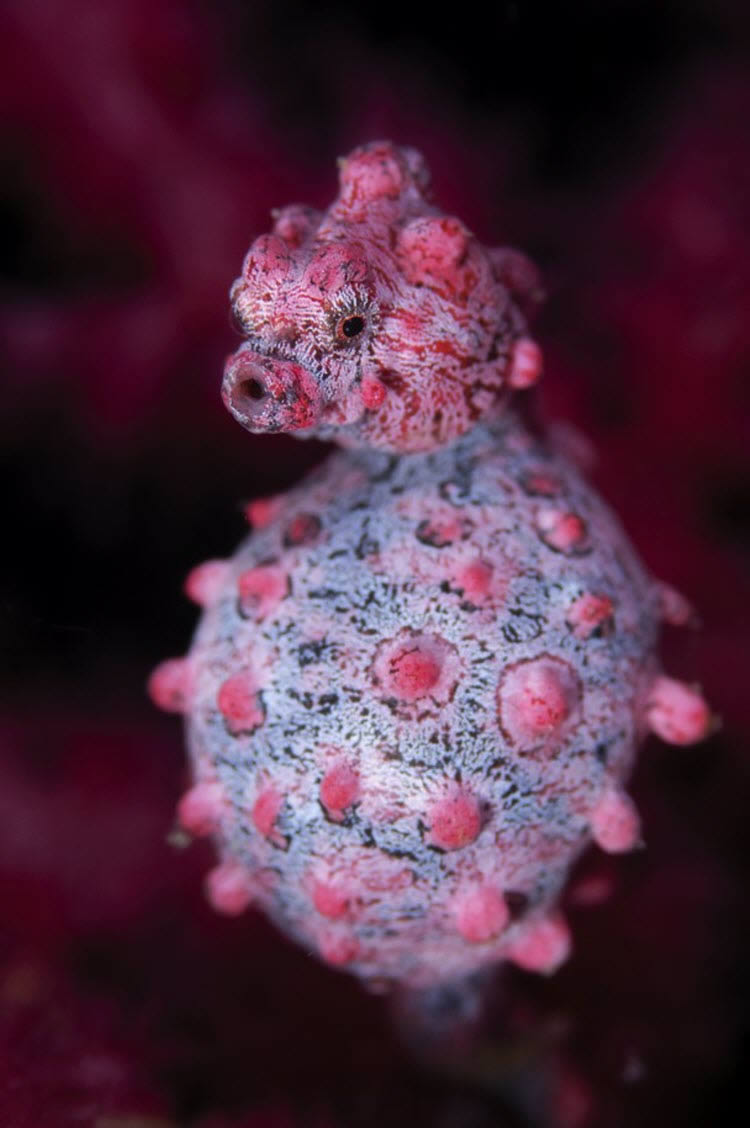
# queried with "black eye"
point(351, 326)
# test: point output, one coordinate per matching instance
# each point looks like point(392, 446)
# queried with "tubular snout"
point(266, 394)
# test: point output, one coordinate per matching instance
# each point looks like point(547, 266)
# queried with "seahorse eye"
point(351, 326)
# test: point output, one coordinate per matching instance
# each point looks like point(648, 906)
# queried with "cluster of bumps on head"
point(381, 322)
point(417, 689)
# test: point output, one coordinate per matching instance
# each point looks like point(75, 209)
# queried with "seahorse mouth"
point(267, 394)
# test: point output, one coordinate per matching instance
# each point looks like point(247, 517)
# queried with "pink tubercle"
point(434, 251)
point(538, 699)
point(373, 393)
point(543, 946)
point(337, 948)
point(303, 529)
point(268, 258)
point(170, 685)
point(525, 364)
point(413, 672)
point(228, 888)
point(589, 615)
point(200, 809)
point(615, 824)
point(330, 900)
point(266, 810)
point(562, 532)
point(676, 712)
point(540, 483)
point(294, 223)
point(453, 821)
point(674, 608)
point(204, 583)
point(439, 532)
point(474, 581)
point(261, 590)
point(370, 173)
point(339, 789)
point(412, 666)
point(481, 914)
point(240, 704)
point(263, 511)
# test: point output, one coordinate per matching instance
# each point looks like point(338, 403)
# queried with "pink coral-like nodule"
point(481, 914)
point(170, 685)
point(339, 789)
point(228, 888)
point(454, 821)
point(615, 823)
point(200, 809)
point(538, 699)
point(239, 703)
point(676, 712)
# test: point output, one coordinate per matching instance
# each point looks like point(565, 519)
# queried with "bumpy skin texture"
point(417, 689)
point(383, 323)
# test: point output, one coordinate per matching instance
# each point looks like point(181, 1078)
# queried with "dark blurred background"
point(144, 143)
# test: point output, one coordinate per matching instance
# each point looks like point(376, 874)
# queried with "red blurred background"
point(144, 144)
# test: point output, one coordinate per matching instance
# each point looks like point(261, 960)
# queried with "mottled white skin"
point(374, 569)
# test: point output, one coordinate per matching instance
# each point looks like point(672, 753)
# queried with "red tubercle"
point(540, 483)
point(303, 529)
point(563, 532)
point(337, 948)
point(590, 614)
point(240, 704)
point(676, 712)
point(413, 665)
point(674, 608)
point(453, 821)
point(200, 809)
point(330, 900)
point(265, 811)
point(481, 914)
point(538, 699)
point(339, 789)
point(615, 823)
point(526, 364)
point(268, 258)
point(440, 532)
point(370, 173)
point(295, 223)
point(263, 511)
point(474, 581)
point(170, 685)
point(433, 252)
point(543, 946)
point(261, 590)
point(228, 888)
point(413, 672)
point(204, 583)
